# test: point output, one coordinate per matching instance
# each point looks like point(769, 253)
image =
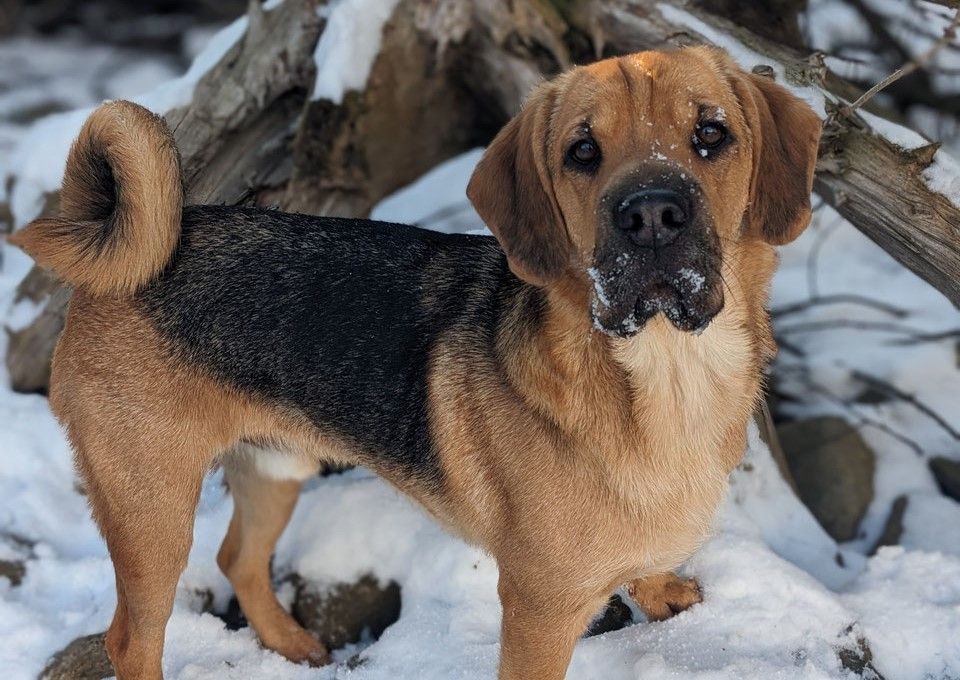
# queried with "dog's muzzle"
point(657, 252)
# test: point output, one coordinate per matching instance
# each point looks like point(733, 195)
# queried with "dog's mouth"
point(688, 298)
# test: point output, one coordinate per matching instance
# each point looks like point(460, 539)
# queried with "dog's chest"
point(666, 505)
point(689, 391)
point(693, 396)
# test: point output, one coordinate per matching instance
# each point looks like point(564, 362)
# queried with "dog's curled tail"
point(120, 206)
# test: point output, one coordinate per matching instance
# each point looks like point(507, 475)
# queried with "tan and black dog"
point(570, 395)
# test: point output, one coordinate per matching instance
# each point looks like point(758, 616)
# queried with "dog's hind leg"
point(143, 484)
point(263, 504)
point(145, 431)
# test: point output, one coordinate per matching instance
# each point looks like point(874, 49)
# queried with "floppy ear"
point(786, 135)
point(512, 191)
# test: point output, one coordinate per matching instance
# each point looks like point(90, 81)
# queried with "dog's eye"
point(709, 137)
point(585, 152)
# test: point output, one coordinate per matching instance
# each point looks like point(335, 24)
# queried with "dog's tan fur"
point(626, 443)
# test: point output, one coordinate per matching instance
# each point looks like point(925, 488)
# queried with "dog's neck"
point(662, 390)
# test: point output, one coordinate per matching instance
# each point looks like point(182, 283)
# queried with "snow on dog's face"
point(636, 175)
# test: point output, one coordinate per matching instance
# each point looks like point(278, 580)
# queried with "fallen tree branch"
point(859, 419)
point(919, 338)
point(855, 324)
point(894, 391)
point(838, 299)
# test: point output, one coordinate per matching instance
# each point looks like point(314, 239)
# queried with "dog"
point(570, 395)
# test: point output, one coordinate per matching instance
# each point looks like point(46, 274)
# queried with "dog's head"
point(634, 175)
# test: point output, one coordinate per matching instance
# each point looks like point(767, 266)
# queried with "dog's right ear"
point(512, 191)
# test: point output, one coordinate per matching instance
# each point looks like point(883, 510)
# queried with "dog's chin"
point(687, 313)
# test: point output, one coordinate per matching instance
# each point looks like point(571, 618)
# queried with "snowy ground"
point(777, 605)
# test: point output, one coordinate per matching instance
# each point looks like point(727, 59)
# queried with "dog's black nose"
point(653, 217)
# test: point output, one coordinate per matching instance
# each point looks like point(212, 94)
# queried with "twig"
point(927, 337)
point(786, 345)
point(862, 420)
point(839, 299)
point(879, 326)
point(894, 391)
point(917, 62)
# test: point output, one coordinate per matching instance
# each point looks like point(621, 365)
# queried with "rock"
point(833, 470)
point(859, 660)
point(947, 474)
point(893, 529)
point(83, 659)
point(616, 615)
point(233, 616)
point(13, 570)
point(340, 615)
point(17, 551)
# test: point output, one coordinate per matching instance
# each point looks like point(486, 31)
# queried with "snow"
point(349, 45)
point(599, 284)
point(418, 203)
point(943, 176)
point(903, 137)
point(909, 604)
point(931, 523)
point(693, 280)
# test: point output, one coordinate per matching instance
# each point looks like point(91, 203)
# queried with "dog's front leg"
point(540, 629)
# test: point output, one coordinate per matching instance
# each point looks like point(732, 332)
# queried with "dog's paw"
point(663, 595)
point(301, 647)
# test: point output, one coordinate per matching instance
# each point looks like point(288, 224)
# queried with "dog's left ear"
point(512, 191)
point(786, 135)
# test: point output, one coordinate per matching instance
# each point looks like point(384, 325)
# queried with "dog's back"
point(333, 318)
